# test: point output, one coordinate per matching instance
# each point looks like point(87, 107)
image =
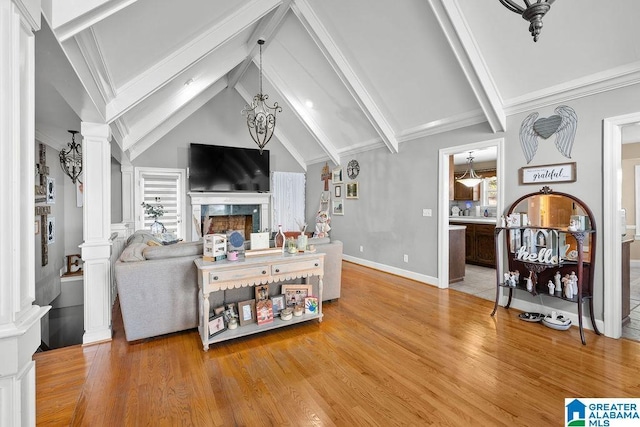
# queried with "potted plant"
point(155, 211)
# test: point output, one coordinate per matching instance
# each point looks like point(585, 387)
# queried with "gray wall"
point(116, 191)
point(394, 188)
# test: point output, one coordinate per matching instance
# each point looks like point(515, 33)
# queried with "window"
point(165, 187)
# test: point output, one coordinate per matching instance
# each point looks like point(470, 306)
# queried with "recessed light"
point(308, 103)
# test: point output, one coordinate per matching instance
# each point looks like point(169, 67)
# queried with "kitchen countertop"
point(457, 227)
point(473, 219)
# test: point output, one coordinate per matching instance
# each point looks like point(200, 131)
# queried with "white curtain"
point(288, 190)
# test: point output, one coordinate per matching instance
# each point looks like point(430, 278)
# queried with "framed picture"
point(216, 325)
point(337, 207)
point(51, 230)
point(336, 176)
point(311, 305)
point(230, 311)
point(51, 190)
point(278, 303)
point(264, 312)
point(262, 292)
point(559, 172)
point(352, 190)
point(295, 294)
point(337, 191)
point(246, 312)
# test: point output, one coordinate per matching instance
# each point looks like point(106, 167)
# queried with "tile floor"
point(480, 281)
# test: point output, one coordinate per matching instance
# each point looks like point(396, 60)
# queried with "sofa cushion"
point(133, 252)
point(142, 236)
point(173, 251)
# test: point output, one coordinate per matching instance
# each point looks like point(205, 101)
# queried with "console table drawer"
point(292, 267)
point(235, 274)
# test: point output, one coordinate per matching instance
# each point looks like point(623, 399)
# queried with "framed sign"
point(559, 172)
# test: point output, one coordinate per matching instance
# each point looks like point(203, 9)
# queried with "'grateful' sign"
point(563, 172)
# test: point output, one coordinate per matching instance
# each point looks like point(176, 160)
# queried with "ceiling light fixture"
point(532, 12)
point(71, 159)
point(470, 178)
point(261, 118)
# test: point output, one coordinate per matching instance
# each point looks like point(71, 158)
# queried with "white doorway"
point(443, 202)
point(612, 223)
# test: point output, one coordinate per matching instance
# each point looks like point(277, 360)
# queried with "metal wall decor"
point(71, 158)
point(564, 124)
point(261, 118)
point(532, 12)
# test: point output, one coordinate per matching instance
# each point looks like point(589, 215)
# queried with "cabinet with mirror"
point(550, 242)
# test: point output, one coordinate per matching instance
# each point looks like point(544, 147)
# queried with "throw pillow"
point(133, 252)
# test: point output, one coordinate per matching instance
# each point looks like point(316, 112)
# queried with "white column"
point(19, 318)
point(96, 248)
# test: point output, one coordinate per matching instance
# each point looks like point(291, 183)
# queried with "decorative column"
point(96, 248)
point(19, 318)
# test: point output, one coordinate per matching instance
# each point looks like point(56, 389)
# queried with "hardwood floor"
point(391, 351)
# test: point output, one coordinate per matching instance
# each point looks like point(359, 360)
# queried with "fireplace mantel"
point(202, 199)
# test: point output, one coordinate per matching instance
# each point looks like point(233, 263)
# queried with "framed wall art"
point(337, 191)
point(353, 190)
point(337, 207)
point(336, 176)
point(51, 190)
point(51, 230)
point(559, 172)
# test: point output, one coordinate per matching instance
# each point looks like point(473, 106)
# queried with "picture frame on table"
point(262, 292)
point(247, 312)
point(337, 191)
point(278, 303)
point(230, 311)
point(296, 293)
point(216, 325)
point(311, 305)
point(264, 312)
point(337, 207)
point(353, 190)
point(336, 176)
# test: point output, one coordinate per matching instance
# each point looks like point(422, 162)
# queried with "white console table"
point(222, 275)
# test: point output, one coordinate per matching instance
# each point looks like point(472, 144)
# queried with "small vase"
point(157, 228)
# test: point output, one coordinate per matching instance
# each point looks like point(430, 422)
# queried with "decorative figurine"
point(558, 283)
point(568, 288)
point(503, 222)
point(574, 282)
point(551, 287)
point(530, 282)
point(573, 226)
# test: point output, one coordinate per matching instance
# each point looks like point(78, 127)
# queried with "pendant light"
point(470, 178)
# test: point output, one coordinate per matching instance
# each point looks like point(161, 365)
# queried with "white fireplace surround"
point(202, 199)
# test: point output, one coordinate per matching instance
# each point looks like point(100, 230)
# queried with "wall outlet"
point(406, 258)
point(361, 248)
point(427, 212)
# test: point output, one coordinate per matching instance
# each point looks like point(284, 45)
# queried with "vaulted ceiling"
point(350, 75)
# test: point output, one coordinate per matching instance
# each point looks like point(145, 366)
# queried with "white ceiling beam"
point(177, 117)
point(466, 51)
point(286, 142)
point(266, 30)
point(156, 114)
point(339, 63)
point(280, 85)
point(69, 18)
point(154, 78)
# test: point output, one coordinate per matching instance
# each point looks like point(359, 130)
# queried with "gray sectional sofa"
point(158, 285)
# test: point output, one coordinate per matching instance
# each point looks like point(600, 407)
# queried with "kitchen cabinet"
point(462, 192)
point(456, 246)
point(479, 244)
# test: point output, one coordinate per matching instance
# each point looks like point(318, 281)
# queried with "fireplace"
point(222, 212)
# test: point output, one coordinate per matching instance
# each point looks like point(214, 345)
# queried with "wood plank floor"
point(391, 351)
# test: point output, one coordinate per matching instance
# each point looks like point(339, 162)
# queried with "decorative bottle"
point(280, 239)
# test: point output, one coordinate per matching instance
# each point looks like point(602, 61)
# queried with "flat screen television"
point(218, 168)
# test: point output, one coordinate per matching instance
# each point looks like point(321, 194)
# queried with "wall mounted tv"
point(217, 168)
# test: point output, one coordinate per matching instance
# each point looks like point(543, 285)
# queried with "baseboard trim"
point(422, 278)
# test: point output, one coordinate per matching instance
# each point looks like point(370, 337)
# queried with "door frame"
point(443, 198)
point(612, 224)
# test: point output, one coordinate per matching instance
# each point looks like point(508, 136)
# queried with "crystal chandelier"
point(470, 178)
point(532, 12)
point(71, 159)
point(261, 118)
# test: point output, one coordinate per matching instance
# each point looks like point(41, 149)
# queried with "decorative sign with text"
point(561, 172)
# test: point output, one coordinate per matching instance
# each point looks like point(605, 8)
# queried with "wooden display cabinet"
point(544, 244)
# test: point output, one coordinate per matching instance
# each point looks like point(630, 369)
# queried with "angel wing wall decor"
point(564, 124)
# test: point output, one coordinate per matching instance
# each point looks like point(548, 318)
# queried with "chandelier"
point(261, 118)
point(533, 12)
point(470, 178)
point(71, 159)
